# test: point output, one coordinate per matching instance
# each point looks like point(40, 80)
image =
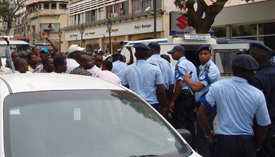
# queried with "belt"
point(235, 136)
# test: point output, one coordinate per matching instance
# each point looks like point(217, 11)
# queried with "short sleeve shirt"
point(118, 67)
point(71, 64)
point(80, 71)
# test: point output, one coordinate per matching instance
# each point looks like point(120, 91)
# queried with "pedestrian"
point(44, 52)
point(36, 50)
point(98, 60)
point(118, 65)
point(182, 103)
point(86, 63)
point(60, 65)
point(48, 66)
point(14, 55)
point(94, 70)
point(21, 66)
point(55, 54)
point(265, 81)
point(32, 60)
point(4, 70)
point(75, 52)
point(9, 61)
point(209, 74)
point(106, 73)
point(237, 103)
point(145, 79)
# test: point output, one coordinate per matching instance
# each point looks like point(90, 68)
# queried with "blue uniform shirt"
point(237, 102)
point(142, 78)
point(118, 68)
point(184, 66)
point(164, 67)
point(209, 74)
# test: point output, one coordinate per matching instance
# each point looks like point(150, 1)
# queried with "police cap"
point(245, 62)
point(177, 48)
point(116, 54)
point(262, 48)
point(203, 47)
point(154, 45)
point(141, 47)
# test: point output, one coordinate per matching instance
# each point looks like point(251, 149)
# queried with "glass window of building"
point(146, 4)
point(136, 6)
point(53, 6)
point(266, 28)
point(46, 6)
point(244, 30)
point(62, 6)
point(109, 11)
point(159, 4)
point(101, 14)
point(51, 26)
point(91, 16)
point(220, 32)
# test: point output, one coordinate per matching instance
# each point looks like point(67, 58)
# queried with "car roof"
point(52, 81)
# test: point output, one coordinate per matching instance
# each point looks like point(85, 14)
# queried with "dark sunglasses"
point(98, 60)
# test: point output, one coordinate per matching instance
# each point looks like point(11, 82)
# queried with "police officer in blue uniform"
point(182, 103)
point(145, 79)
point(237, 103)
point(209, 74)
point(265, 81)
point(118, 65)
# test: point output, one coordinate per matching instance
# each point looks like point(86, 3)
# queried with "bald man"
point(85, 62)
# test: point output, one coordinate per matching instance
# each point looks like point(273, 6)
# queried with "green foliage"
point(4, 9)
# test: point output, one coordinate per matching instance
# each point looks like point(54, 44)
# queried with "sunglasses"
point(98, 60)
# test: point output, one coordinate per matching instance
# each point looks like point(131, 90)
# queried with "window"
point(53, 6)
point(220, 32)
point(91, 16)
point(46, 6)
point(146, 4)
point(266, 28)
point(159, 4)
point(109, 10)
point(51, 26)
point(244, 30)
point(62, 6)
point(101, 14)
point(136, 6)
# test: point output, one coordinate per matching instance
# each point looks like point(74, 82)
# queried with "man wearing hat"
point(265, 81)
point(209, 74)
point(75, 52)
point(44, 52)
point(237, 103)
point(118, 65)
point(163, 65)
point(182, 103)
point(145, 79)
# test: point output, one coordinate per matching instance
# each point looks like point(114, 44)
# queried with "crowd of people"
point(243, 105)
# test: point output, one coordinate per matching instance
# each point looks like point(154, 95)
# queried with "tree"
point(202, 16)
point(8, 10)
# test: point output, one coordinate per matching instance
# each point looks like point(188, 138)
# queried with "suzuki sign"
point(178, 23)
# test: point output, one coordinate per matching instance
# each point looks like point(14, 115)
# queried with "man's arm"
point(260, 137)
point(131, 56)
point(177, 92)
point(45, 36)
point(202, 119)
point(195, 86)
point(8, 56)
point(162, 98)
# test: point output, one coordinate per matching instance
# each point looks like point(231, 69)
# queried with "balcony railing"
point(48, 12)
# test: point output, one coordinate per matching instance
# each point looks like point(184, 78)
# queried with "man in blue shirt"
point(237, 102)
point(118, 65)
point(265, 81)
point(209, 74)
point(145, 79)
point(182, 103)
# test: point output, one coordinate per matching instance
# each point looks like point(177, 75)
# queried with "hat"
point(141, 47)
point(245, 62)
point(203, 47)
point(262, 48)
point(23, 54)
point(116, 54)
point(177, 48)
point(43, 49)
point(165, 57)
point(74, 48)
point(154, 45)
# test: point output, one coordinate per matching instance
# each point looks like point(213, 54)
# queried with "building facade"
point(131, 20)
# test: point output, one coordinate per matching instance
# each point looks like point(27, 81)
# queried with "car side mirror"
point(185, 134)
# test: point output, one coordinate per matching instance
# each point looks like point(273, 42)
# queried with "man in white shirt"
point(94, 70)
point(75, 52)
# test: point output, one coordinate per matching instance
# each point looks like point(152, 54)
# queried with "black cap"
point(177, 48)
point(262, 48)
point(165, 57)
point(23, 54)
point(116, 54)
point(203, 47)
point(141, 47)
point(154, 45)
point(245, 62)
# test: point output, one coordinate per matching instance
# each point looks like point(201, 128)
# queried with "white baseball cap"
point(74, 48)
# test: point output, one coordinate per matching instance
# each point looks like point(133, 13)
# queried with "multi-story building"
point(48, 16)
point(19, 24)
point(131, 20)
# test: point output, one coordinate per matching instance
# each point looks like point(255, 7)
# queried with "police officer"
point(209, 74)
point(118, 65)
point(163, 65)
point(265, 81)
point(182, 103)
point(237, 102)
point(145, 79)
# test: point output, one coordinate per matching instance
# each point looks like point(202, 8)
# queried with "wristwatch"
point(212, 133)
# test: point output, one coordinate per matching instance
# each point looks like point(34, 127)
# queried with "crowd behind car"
point(179, 91)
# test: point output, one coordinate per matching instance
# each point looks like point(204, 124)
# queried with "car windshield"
point(86, 123)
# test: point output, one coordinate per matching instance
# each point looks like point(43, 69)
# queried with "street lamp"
point(109, 27)
point(38, 27)
point(81, 32)
point(59, 34)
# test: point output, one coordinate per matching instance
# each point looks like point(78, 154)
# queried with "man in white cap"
point(75, 52)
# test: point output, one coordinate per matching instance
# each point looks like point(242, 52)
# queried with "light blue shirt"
point(163, 65)
point(209, 74)
point(184, 66)
point(118, 68)
point(142, 78)
point(237, 102)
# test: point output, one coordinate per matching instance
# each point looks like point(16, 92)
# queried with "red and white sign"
point(178, 23)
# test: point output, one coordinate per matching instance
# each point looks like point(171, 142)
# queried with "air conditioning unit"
point(110, 15)
point(115, 15)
